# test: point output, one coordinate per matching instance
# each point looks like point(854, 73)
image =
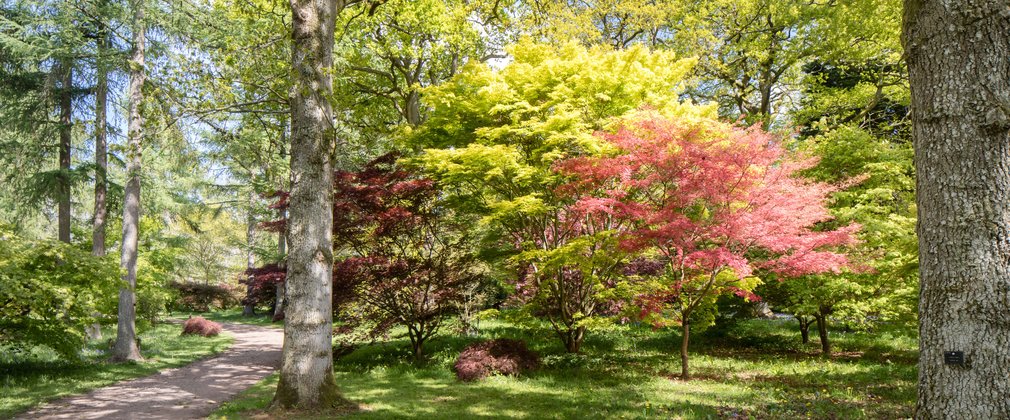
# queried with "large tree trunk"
point(101, 158)
point(66, 113)
point(958, 56)
point(306, 374)
point(126, 335)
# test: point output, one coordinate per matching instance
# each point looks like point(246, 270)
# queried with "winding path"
point(189, 392)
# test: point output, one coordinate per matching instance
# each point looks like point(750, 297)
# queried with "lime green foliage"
point(755, 49)
point(757, 369)
point(549, 100)
point(493, 136)
point(38, 374)
point(614, 23)
point(695, 301)
point(388, 54)
point(49, 292)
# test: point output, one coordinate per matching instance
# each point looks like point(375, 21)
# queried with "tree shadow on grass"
point(408, 395)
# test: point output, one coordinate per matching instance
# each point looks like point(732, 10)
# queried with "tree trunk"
point(417, 343)
point(66, 113)
point(101, 159)
point(804, 328)
point(306, 373)
point(126, 335)
point(958, 56)
point(412, 108)
point(250, 237)
point(572, 338)
point(822, 332)
point(101, 146)
point(685, 337)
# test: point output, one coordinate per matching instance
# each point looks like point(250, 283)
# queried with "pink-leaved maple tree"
point(709, 206)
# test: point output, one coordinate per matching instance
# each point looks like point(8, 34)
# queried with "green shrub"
point(49, 292)
point(200, 297)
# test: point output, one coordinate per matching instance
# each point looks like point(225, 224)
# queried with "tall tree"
point(101, 136)
point(66, 74)
point(959, 69)
point(126, 336)
point(501, 132)
point(306, 375)
point(101, 155)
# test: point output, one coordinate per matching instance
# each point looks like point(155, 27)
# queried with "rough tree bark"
point(101, 157)
point(958, 55)
point(306, 374)
point(66, 112)
point(101, 146)
point(126, 336)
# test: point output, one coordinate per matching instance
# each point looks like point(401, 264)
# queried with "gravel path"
point(190, 392)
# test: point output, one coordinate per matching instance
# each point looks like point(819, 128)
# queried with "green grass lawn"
point(756, 369)
point(30, 379)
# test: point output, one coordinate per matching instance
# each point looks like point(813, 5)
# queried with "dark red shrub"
point(500, 356)
point(410, 259)
point(201, 326)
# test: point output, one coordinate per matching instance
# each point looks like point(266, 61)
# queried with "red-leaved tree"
point(409, 258)
point(267, 281)
point(709, 205)
point(402, 257)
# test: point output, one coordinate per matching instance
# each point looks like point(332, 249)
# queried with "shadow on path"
point(188, 392)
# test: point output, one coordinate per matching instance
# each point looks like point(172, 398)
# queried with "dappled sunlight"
point(638, 378)
point(185, 392)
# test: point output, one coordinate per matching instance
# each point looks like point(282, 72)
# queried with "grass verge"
point(31, 378)
point(756, 369)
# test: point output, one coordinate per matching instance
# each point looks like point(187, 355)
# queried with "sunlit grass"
point(756, 369)
point(30, 379)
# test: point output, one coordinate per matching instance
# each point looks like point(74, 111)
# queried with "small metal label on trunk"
point(953, 358)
